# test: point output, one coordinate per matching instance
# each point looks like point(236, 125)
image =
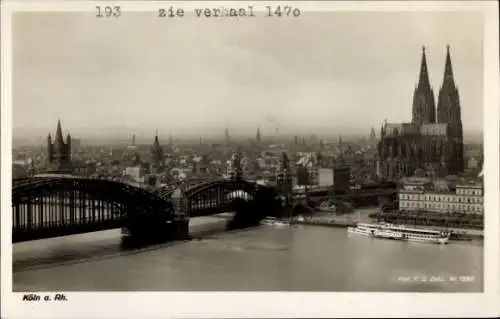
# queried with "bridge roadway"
point(53, 217)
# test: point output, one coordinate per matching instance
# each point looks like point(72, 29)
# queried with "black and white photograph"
point(239, 147)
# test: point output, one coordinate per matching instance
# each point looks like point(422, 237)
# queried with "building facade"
point(134, 173)
point(426, 196)
point(433, 141)
point(284, 181)
point(341, 179)
point(235, 167)
point(268, 163)
point(201, 165)
point(325, 177)
point(307, 169)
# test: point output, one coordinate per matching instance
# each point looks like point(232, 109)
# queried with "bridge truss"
point(57, 206)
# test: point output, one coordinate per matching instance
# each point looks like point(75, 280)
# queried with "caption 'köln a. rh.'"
point(37, 297)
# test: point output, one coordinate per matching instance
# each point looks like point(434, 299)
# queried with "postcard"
point(249, 159)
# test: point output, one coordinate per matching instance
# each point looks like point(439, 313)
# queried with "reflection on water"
point(264, 258)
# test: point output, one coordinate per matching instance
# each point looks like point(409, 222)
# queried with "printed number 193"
point(108, 11)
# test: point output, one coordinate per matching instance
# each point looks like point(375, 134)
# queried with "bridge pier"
point(146, 228)
point(151, 230)
point(180, 229)
point(180, 224)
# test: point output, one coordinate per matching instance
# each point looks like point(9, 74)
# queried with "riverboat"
point(400, 232)
point(272, 221)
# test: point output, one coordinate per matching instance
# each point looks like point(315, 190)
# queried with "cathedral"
point(433, 141)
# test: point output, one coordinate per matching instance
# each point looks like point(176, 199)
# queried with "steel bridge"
point(52, 206)
point(213, 197)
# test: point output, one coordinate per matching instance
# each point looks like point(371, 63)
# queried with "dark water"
point(300, 258)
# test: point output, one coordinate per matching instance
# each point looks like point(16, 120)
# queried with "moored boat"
point(300, 219)
point(272, 221)
point(400, 232)
point(281, 223)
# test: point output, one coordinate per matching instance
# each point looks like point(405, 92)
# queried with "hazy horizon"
point(324, 73)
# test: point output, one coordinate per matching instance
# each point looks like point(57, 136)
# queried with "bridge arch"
point(55, 206)
point(218, 196)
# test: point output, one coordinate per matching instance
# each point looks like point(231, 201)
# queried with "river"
point(299, 258)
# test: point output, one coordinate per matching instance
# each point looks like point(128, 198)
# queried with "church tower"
point(236, 165)
point(227, 137)
point(449, 112)
point(284, 176)
point(258, 137)
point(373, 137)
point(157, 157)
point(170, 145)
point(424, 106)
point(58, 152)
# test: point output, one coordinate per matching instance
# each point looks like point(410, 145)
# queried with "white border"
point(273, 304)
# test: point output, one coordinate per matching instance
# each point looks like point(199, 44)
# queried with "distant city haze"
point(324, 73)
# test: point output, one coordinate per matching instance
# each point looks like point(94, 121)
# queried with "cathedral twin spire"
point(424, 106)
point(448, 99)
point(448, 80)
point(423, 81)
point(438, 145)
point(448, 107)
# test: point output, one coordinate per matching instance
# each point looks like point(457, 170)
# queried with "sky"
point(323, 73)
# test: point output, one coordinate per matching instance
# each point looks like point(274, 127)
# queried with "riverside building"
point(441, 196)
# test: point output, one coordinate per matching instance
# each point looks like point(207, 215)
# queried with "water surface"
point(300, 258)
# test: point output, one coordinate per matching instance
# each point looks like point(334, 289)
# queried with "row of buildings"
point(441, 196)
point(306, 168)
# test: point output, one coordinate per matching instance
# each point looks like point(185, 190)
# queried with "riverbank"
point(324, 223)
point(443, 220)
point(345, 221)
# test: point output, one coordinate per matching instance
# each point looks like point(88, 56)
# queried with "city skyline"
point(99, 87)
